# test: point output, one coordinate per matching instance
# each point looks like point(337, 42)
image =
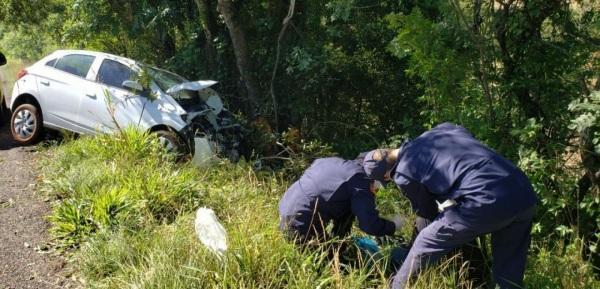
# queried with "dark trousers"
point(472, 252)
point(305, 227)
point(309, 232)
point(510, 242)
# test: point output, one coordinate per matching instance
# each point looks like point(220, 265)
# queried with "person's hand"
point(375, 186)
point(399, 221)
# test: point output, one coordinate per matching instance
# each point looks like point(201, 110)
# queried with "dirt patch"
point(26, 260)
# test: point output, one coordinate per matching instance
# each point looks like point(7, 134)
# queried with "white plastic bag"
point(210, 232)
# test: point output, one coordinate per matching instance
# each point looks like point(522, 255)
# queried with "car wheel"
point(170, 140)
point(26, 124)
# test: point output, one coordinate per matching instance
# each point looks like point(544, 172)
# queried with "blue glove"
point(367, 244)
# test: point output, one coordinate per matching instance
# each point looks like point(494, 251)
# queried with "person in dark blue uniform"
point(477, 191)
point(332, 190)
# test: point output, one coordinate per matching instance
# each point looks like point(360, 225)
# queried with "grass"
point(114, 181)
point(124, 210)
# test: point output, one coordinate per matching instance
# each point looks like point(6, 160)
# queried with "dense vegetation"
point(522, 75)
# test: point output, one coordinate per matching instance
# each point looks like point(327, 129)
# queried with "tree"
point(20, 12)
point(206, 9)
point(240, 47)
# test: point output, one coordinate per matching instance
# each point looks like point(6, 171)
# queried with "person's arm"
point(421, 200)
point(363, 207)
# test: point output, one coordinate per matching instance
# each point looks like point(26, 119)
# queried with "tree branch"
point(286, 22)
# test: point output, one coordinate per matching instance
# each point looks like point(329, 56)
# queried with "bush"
point(109, 181)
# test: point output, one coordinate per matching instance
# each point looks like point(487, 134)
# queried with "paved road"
point(25, 259)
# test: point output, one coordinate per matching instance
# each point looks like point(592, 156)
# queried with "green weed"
point(109, 181)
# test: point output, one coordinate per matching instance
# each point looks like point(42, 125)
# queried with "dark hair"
point(381, 154)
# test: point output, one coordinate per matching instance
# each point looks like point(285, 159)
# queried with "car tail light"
point(21, 73)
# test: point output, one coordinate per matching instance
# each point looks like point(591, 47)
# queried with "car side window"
point(114, 73)
point(51, 62)
point(76, 64)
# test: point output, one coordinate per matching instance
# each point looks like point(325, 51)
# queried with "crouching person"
point(481, 192)
point(332, 191)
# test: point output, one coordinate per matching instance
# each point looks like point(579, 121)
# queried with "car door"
point(62, 84)
point(111, 105)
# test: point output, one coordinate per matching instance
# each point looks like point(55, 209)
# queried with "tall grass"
point(128, 209)
point(110, 181)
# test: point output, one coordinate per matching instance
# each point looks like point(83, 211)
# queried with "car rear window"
point(113, 73)
point(76, 64)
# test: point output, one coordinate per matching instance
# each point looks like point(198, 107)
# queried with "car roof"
point(62, 52)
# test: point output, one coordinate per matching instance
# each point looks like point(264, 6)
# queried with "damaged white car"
point(89, 92)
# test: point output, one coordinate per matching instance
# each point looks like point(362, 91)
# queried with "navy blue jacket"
point(332, 190)
point(447, 162)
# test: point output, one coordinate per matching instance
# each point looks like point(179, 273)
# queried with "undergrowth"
point(125, 209)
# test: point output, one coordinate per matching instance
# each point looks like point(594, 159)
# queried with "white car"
point(89, 92)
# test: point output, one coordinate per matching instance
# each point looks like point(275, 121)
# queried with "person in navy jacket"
point(332, 190)
point(477, 191)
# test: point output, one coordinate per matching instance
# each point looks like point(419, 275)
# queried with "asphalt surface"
point(26, 258)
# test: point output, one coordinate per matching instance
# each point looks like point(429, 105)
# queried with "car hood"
point(213, 101)
point(192, 85)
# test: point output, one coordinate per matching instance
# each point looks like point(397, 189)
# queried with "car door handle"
point(46, 83)
point(91, 95)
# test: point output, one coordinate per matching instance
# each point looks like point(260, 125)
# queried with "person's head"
point(378, 164)
point(2, 59)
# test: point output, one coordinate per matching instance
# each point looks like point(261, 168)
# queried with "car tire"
point(26, 124)
point(171, 141)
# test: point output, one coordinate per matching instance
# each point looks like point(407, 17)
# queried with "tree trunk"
point(240, 49)
point(209, 25)
point(526, 32)
point(511, 60)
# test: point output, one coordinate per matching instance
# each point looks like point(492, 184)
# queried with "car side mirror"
point(135, 86)
point(2, 59)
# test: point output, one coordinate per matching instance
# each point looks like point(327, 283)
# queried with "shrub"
point(115, 180)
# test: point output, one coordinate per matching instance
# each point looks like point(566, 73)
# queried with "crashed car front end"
point(223, 133)
point(210, 128)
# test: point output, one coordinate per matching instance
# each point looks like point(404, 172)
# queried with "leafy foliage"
point(588, 118)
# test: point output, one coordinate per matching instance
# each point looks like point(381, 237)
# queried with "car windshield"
point(165, 80)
